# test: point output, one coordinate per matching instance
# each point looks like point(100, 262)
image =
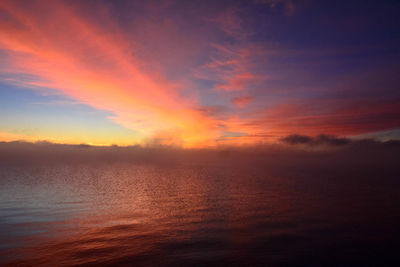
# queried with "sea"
point(198, 214)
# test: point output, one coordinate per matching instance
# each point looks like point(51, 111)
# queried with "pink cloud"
point(237, 82)
point(242, 101)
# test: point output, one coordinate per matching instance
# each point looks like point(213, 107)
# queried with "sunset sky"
point(198, 73)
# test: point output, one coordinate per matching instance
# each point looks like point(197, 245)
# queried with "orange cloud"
point(96, 67)
point(7, 137)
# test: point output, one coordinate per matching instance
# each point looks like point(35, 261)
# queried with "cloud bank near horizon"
point(293, 150)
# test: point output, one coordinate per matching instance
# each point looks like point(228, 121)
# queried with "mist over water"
point(177, 208)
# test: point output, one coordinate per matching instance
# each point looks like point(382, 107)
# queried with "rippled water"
point(127, 214)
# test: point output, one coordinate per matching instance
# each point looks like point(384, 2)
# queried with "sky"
point(198, 73)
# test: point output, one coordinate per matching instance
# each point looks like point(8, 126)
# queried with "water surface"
point(197, 214)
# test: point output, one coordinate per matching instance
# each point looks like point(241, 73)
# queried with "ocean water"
point(197, 214)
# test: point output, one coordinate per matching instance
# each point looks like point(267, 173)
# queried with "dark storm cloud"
point(321, 139)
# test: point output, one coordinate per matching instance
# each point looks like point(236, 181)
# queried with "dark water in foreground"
point(126, 214)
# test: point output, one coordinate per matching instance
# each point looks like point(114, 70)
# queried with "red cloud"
point(242, 101)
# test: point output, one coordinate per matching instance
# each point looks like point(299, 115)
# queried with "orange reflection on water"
point(178, 214)
point(122, 212)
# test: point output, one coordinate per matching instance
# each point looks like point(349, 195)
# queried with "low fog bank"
point(294, 150)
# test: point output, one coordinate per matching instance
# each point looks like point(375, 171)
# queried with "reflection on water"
point(182, 215)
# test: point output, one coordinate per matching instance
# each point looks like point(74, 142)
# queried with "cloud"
point(288, 6)
point(237, 82)
point(213, 111)
point(230, 22)
point(7, 137)
point(357, 153)
point(98, 67)
point(297, 139)
point(344, 117)
point(242, 101)
point(172, 76)
point(230, 63)
point(321, 139)
point(229, 67)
